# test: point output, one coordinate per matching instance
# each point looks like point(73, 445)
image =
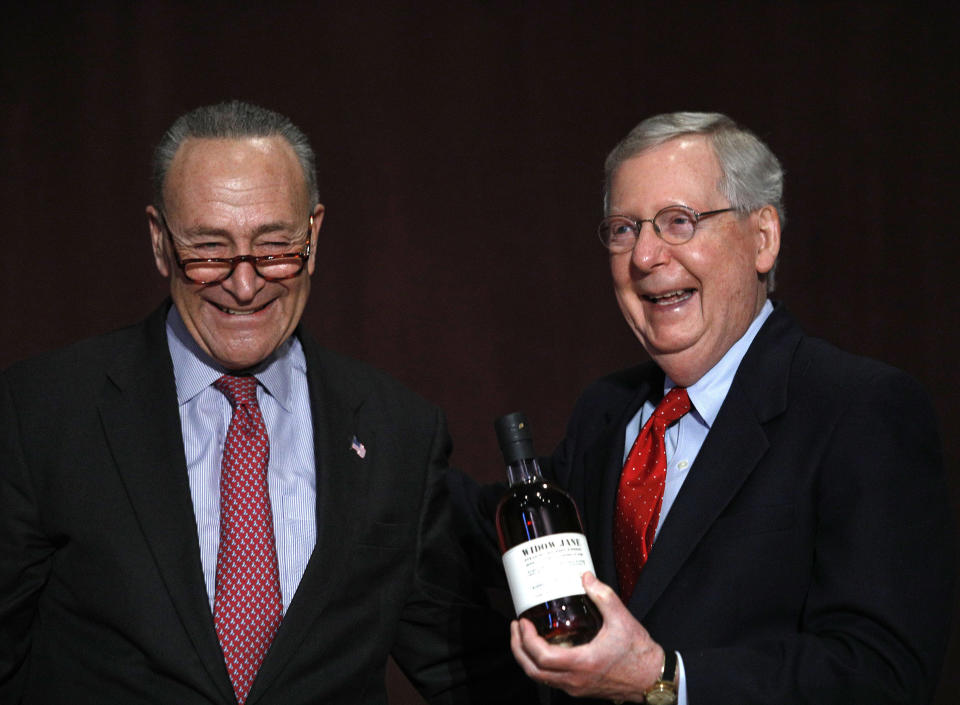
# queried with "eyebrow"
point(263, 229)
point(624, 214)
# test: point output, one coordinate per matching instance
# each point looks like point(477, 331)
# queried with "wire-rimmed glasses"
point(674, 225)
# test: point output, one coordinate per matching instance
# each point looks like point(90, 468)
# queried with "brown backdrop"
point(460, 148)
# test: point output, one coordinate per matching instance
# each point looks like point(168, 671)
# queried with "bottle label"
point(546, 568)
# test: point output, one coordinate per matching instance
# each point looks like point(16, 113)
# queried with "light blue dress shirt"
point(685, 438)
point(284, 400)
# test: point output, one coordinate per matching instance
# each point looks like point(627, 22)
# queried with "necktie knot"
point(674, 405)
point(240, 390)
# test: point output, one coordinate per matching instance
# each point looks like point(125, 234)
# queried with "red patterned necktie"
point(247, 607)
point(640, 493)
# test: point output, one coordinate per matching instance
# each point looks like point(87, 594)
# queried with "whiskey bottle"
point(545, 552)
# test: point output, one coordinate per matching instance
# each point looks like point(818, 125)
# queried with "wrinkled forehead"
point(234, 168)
point(692, 152)
point(683, 170)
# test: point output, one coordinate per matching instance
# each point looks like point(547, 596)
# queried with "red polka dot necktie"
point(247, 607)
point(640, 492)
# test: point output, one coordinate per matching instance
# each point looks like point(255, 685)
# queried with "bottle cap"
point(513, 434)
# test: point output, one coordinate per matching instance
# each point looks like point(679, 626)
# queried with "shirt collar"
point(194, 371)
point(708, 393)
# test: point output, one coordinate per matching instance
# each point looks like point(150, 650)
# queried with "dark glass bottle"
point(544, 549)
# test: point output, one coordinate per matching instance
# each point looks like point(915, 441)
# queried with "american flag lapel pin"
point(357, 447)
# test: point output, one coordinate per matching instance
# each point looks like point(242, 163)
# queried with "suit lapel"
point(600, 497)
point(138, 408)
point(342, 478)
point(735, 444)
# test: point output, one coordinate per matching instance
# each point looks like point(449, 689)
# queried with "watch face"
point(661, 694)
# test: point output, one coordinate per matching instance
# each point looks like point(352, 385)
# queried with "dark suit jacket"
point(808, 556)
point(101, 593)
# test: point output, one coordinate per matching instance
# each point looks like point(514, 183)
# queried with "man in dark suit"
point(785, 536)
point(208, 507)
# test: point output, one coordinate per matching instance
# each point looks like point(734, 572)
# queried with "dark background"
point(460, 147)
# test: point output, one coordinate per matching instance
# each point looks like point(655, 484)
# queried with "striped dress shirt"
point(205, 413)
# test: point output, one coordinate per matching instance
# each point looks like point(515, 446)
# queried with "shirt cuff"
point(681, 682)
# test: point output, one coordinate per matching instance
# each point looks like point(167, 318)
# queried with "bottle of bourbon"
point(544, 549)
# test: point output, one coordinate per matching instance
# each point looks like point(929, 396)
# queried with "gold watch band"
point(664, 691)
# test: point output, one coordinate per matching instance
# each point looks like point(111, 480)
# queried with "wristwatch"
point(664, 691)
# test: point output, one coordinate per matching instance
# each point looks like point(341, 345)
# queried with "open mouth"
point(237, 312)
point(671, 297)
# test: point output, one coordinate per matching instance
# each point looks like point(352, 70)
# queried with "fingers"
point(603, 596)
point(617, 664)
point(601, 593)
point(541, 656)
point(519, 653)
point(525, 642)
point(553, 666)
point(528, 648)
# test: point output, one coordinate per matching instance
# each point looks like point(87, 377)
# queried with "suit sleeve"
point(25, 553)
point(451, 643)
point(873, 628)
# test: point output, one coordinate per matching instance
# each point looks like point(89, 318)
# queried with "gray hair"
point(232, 120)
point(751, 175)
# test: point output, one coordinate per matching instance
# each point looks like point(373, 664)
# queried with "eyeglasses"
point(208, 271)
point(674, 225)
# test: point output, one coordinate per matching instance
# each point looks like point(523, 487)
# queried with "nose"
point(649, 250)
point(244, 283)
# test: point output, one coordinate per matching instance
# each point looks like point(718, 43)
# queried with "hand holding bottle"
point(621, 663)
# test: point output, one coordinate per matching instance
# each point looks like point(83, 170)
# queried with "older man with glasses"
point(767, 515)
point(209, 507)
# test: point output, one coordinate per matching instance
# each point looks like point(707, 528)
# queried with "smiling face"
point(229, 197)
point(689, 303)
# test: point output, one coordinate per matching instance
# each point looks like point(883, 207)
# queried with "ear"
point(317, 220)
point(157, 241)
point(768, 239)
